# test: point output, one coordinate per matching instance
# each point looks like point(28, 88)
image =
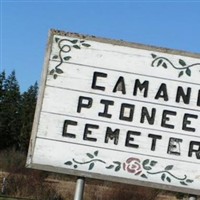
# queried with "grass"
point(9, 198)
point(38, 185)
point(6, 198)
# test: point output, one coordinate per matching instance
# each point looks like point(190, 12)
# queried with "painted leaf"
point(153, 55)
point(189, 181)
point(183, 183)
point(182, 62)
point(96, 153)
point(90, 155)
point(52, 72)
point(144, 176)
point(76, 47)
point(91, 166)
point(68, 163)
point(180, 74)
point(117, 168)
point(110, 167)
point(59, 71)
point(145, 162)
point(73, 41)
point(153, 163)
point(57, 39)
point(164, 65)
point(159, 62)
point(168, 179)
point(86, 45)
point(147, 167)
point(55, 76)
point(188, 72)
point(66, 58)
point(163, 177)
point(169, 167)
point(55, 57)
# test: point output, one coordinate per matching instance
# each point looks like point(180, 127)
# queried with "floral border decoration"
point(132, 165)
point(165, 62)
point(65, 47)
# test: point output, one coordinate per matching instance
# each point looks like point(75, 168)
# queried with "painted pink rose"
point(132, 165)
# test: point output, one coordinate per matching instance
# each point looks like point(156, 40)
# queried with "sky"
point(24, 27)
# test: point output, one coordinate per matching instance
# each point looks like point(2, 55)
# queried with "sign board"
point(119, 111)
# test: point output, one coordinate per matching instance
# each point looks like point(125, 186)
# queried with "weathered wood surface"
point(119, 112)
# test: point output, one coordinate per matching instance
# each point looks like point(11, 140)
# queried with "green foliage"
point(16, 113)
point(9, 113)
point(28, 104)
point(2, 80)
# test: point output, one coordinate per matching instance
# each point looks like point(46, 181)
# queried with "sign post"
point(79, 188)
point(192, 197)
point(118, 111)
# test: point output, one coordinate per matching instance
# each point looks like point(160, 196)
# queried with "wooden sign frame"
point(118, 111)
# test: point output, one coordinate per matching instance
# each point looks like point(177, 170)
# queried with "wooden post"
point(79, 188)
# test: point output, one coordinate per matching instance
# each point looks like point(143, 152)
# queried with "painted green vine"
point(183, 68)
point(132, 165)
point(65, 47)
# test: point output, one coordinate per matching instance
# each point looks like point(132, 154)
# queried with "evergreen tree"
point(16, 112)
point(28, 104)
point(9, 114)
point(2, 93)
point(2, 80)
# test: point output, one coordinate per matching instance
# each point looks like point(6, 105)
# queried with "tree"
point(28, 104)
point(9, 113)
point(2, 93)
point(2, 80)
point(16, 113)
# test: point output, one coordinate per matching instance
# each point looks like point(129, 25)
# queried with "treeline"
point(16, 113)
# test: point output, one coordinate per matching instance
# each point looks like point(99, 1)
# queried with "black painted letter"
point(198, 99)
point(130, 139)
point(141, 86)
point(185, 97)
point(87, 132)
point(65, 133)
point(113, 135)
point(105, 113)
point(196, 151)
point(123, 112)
point(94, 81)
point(165, 119)
point(162, 92)
point(186, 122)
point(145, 114)
point(84, 102)
point(120, 85)
point(174, 146)
point(154, 139)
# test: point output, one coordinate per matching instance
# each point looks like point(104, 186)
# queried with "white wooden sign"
point(119, 111)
